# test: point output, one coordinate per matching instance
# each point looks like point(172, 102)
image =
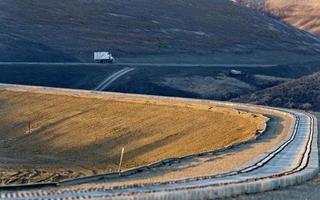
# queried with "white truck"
point(235, 72)
point(103, 57)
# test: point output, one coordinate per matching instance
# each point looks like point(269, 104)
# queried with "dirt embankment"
point(76, 136)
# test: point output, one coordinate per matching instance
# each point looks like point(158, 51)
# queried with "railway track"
point(303, 127)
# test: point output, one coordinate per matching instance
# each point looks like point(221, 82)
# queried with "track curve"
point(293, 161)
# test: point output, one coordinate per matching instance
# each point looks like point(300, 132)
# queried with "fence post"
point(120, 163)
point(29, 127)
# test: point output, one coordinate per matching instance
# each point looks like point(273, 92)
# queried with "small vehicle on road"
point(103, 57)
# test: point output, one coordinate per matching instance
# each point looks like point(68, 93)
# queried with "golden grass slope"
point(76, 136)
point(303, 14)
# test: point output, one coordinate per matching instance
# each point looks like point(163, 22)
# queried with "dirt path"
point(113, 77)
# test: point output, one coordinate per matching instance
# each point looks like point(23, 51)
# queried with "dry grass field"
point(76, 136)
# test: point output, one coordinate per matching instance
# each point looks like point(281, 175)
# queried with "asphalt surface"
point(139, 64)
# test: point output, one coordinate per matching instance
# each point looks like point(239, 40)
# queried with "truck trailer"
point(103, 57)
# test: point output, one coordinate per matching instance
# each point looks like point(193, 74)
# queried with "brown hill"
point(174, 30)
point(303, 14)
point(303, 93)
point(74, 135)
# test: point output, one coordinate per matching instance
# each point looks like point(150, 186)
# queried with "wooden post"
point(120, 163)
point(29, 127)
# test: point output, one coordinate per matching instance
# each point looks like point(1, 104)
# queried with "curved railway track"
point(163, 189)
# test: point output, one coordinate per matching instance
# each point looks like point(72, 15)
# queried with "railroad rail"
point(257, 177)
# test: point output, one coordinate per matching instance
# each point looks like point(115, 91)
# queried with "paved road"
point(113, 77)
point(289, 158)
point(231, 65)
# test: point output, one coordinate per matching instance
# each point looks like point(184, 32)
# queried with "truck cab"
point(103, 57)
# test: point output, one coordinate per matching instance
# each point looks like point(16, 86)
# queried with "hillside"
point(302, 93)
point(142, 30)
point(74, 135)
point(303, 14)
point(193, 82)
